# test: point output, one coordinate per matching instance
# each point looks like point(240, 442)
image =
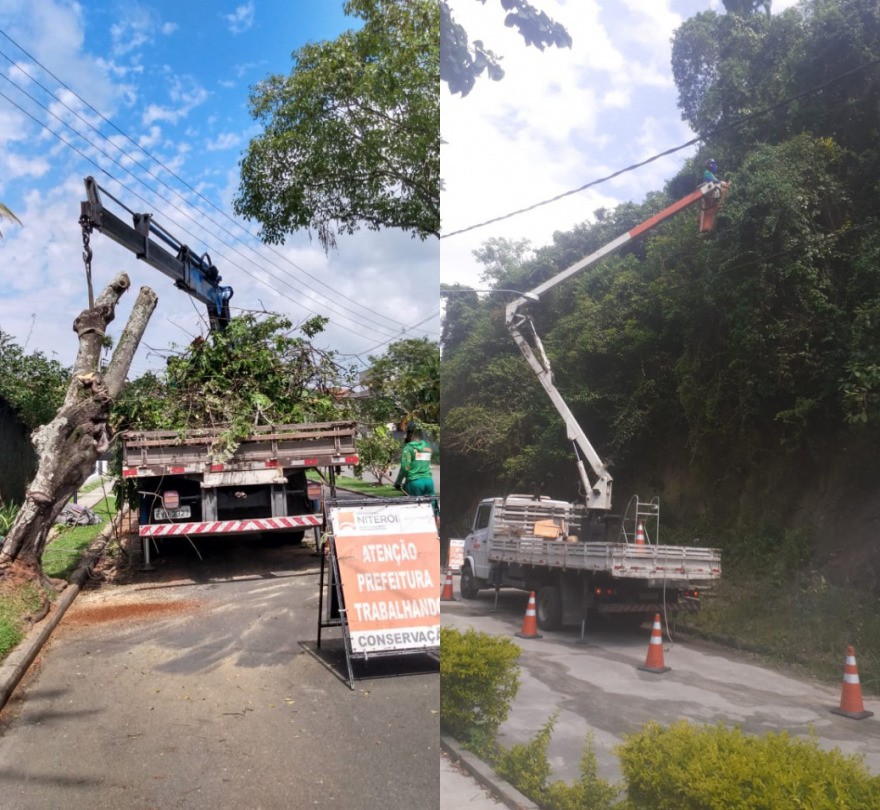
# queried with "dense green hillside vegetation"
point(735, 374)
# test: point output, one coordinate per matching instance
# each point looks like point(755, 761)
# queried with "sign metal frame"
point(332, 611)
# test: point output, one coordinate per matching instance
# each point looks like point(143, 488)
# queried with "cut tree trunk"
point(70, 444)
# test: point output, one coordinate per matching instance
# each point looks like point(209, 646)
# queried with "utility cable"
point(67, 143)
point(358, 304)
point(693, 141)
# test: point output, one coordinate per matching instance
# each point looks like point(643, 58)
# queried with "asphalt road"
point(199, 685)
point(597, 688)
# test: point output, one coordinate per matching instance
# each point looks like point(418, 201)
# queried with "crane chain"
point(87, 256)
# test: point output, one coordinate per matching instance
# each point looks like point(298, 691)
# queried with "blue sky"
point(559, 119)
point(156, 95)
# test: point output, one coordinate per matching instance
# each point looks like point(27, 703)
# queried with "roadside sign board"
point(389, 568)
point(456, 554)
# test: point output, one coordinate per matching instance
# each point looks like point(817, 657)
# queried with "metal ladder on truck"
point(646, 513)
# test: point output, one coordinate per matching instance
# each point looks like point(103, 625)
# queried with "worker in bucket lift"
point(709, 172)
point(415, 468)
point(709, 176)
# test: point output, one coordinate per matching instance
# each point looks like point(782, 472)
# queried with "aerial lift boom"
point(521, 327)
point(193, 274)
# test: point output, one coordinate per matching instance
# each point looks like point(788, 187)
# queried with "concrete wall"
point(18, 460)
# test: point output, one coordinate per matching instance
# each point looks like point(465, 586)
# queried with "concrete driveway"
point(198, 685)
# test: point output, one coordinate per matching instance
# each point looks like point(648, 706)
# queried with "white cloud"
point(134, 29)
point(241, 19)
point(151, 139)
point(226, 140)
point(169, 28)
point(186, 94)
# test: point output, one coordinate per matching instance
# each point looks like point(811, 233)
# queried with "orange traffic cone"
point(654, 661)
point(640, 533)
point(851, 704)
point(530, 622)
point(447, 594)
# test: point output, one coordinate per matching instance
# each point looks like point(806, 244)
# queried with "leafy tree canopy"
point(404, 383)
point(748, 344)
point(462, 62)
point(33, 384)
point(351, 137)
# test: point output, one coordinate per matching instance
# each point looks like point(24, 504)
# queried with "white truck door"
point(477, 542)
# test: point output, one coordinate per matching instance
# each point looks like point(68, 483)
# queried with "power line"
point(63, 84)
point(712, 133)
point(142, 199)
point(342, 313)
point(352, 315)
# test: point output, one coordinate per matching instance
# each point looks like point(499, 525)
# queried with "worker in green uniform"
point(415, 468)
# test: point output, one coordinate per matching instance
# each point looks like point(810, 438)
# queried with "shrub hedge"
point(689, 767)
point(479, 678)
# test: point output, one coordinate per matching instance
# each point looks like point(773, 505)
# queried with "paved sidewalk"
point(465, 778)
point(459, 789)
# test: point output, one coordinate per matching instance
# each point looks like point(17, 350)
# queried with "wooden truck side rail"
point(312, 444)
point(625, 560)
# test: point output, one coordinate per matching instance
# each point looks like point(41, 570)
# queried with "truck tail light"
point(692, 594)
point(171, 499)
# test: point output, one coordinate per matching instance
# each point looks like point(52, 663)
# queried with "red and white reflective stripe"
point(850, 673)
point(230, 526)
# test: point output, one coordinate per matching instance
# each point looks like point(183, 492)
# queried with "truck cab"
point(517, 516)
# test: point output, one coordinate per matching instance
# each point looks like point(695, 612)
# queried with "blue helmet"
point(711, 165)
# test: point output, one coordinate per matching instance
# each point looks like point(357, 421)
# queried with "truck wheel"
point(468, 583)
point(548, 606)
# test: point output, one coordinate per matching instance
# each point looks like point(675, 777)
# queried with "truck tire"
point(548, 606)
point(468, 584)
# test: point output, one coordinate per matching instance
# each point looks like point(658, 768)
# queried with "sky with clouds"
point(558, 120)
point(151, 98)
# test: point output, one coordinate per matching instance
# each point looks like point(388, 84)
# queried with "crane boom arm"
point(522, 329)
point(193, 274)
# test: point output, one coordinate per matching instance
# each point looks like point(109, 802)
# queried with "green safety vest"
point(415, 461)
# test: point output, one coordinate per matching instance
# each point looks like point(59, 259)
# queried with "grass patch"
point(63, 554)
point(361, 487)
point(16, 601)
point(96, 484)
point(806, 622)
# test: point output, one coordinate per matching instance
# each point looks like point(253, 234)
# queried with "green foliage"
point(462, 63)
point(378, 452)
point(259, 370)
point(737, 349)
point(8, 512)
point(589, 791)
point(352, 136)
point(16, 601)
point(799, 620)
point(479, 678)
point(685, 766)
point(404, 384)
point(31, 383)
point(527, 768)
